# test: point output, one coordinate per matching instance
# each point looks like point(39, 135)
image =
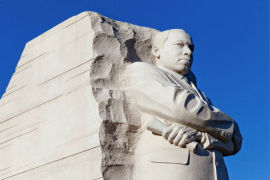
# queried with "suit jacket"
point(171, 97)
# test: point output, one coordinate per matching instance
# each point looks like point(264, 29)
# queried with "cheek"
point(165, 56)
point(176, 51)
point(173, 52)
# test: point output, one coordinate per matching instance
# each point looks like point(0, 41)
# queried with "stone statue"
point(89, 102)
point(183, 136)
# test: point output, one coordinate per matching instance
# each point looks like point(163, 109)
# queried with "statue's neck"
point(168, 71)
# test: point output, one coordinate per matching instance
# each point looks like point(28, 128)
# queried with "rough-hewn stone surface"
point(116, 45)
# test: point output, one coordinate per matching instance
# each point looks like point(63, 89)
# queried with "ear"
point(155, 51)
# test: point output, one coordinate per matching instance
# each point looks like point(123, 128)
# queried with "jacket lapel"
point(181, 82)
point(184, 83)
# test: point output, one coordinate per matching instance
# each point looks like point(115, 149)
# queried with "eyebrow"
point(180, 41)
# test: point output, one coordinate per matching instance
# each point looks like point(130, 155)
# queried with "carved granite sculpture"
point(161, 96)
point(168, 91)
point(95, 98)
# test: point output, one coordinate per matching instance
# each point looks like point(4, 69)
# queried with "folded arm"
point(183, 136)
point(155, 95)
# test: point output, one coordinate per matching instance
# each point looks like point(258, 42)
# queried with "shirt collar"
point(173, 74)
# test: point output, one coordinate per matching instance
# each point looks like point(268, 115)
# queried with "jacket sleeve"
point(211, 142)
point(157, 96)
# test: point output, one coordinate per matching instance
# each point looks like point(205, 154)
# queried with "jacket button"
point(217, 163)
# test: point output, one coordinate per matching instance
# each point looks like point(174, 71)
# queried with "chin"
point(183, 70)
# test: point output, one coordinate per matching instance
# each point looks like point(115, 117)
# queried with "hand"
point(236, 139)
point(180, 135)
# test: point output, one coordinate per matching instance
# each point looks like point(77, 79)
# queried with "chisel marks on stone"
point(29, 109)
point(22, 70)
point(13, 91)
point(18, 136)
point(64, 72)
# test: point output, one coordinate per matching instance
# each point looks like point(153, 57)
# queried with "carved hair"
point(159, 40)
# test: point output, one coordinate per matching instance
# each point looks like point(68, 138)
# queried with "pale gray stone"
point(49, 119)
point(49, 113)
point(81, 99)
point(167, 93)
point(116, 45)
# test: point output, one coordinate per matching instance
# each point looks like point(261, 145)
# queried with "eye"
point(180, 44)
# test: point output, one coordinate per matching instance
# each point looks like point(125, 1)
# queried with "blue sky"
point(231, 58)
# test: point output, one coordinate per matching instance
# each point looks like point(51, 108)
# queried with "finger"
point(199, 136)
point(167, 131)
point(192, 136)
point(184, 141)
point(178, 137)
point(173, 134)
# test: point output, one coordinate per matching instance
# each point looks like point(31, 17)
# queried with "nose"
point(187, 51)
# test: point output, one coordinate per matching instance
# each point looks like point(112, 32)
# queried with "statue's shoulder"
point(143, 72)
point(142, 67)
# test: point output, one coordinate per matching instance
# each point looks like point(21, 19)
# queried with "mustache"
point(186, 61)
point(189, 59)
point(185, 58)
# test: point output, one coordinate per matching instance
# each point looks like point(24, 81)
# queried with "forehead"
point(178, 36)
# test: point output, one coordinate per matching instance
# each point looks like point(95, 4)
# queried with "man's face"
point(176, 54)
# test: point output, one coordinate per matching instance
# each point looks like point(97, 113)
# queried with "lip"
point(184, 61)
